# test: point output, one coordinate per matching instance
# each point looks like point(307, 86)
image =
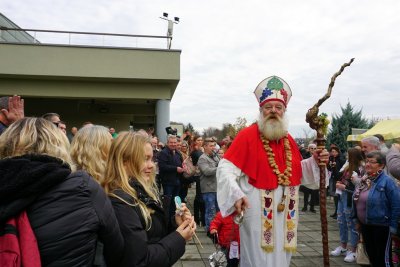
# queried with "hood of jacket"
point(24, 178)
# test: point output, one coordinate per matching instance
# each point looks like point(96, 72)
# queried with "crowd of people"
point(364, 183)
point(93, 202)
point(95, 197)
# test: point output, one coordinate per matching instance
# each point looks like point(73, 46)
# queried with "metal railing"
point(89, 38)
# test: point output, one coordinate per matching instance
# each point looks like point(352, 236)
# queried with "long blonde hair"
point(125, 162)
point(90, 148)
point(34, 136)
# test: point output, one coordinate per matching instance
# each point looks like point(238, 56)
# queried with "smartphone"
point(178, 205)
point(178, 202)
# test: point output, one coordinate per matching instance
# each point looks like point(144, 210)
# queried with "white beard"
point(273, 129)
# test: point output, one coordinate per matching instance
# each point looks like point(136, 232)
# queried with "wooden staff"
point(320, 124)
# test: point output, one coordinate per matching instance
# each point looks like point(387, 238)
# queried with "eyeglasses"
point(371, 162)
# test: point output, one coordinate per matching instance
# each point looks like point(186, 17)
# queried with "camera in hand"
point(171, 131)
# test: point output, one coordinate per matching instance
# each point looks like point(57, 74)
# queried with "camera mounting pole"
point(170, 28)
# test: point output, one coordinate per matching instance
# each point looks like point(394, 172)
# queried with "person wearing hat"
point(259, 179)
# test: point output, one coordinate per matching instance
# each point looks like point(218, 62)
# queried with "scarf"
point(365, 183)
point(290, 200)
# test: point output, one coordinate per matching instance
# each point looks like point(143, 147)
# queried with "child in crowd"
point(227, 233)
point(221, 153)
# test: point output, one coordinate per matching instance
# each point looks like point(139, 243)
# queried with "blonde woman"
point(130, 183)
point(185, 152)
point(89, 150)
point(68, 211)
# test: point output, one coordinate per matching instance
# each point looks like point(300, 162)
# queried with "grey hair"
point(171, 136)
point(373, 140)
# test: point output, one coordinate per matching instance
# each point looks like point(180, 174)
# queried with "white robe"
point(233, 185)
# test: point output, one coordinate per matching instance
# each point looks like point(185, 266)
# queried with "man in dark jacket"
point(170, 167)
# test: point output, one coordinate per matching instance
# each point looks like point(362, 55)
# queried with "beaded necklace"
point(283, 178)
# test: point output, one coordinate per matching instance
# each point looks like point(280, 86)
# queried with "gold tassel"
point(290, 249)
point(268, 249)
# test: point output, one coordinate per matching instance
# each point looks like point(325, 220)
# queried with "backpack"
point(18, 245)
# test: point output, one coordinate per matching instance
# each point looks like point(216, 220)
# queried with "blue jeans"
point(346, 223)
point(211, 207)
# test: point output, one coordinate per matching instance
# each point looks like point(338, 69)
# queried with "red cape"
point(248, 154)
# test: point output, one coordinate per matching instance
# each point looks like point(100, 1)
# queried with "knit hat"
point(273, 89)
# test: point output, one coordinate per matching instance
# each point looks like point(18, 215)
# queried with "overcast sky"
point(229, 46)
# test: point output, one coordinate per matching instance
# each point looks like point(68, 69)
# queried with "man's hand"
point(242, 204)
point(323, 155)
point(15, 109)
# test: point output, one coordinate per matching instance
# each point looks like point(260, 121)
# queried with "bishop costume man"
point(260, 177)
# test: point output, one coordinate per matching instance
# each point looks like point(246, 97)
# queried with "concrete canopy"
point(105, 85)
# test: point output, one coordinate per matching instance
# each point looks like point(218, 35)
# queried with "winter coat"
point(226, 228)
point(153, 247)
point(208, 167)
point(167, 164)
point(335, 169)
point(68, 212)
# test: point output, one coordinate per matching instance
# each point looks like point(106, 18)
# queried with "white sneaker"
point(339, 251)
point(350, 257)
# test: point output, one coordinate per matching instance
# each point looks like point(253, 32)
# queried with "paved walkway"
point(309, 250)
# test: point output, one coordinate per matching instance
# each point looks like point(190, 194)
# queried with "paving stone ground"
point(309, 251)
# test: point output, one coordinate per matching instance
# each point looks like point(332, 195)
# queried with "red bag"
point(18, 245)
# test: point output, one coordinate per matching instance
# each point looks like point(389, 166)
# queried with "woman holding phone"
point(143, 219)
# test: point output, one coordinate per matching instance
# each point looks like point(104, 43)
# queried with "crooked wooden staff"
point(320, 124)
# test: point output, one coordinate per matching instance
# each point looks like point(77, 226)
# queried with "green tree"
point(234, 129)
point(213, 132)
point(189, 127)
point(227, 129)
point(341, 126)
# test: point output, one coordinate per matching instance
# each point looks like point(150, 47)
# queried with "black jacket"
point(68, 212)
point(335, 168)
point(156, 247)
point(167, 164)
